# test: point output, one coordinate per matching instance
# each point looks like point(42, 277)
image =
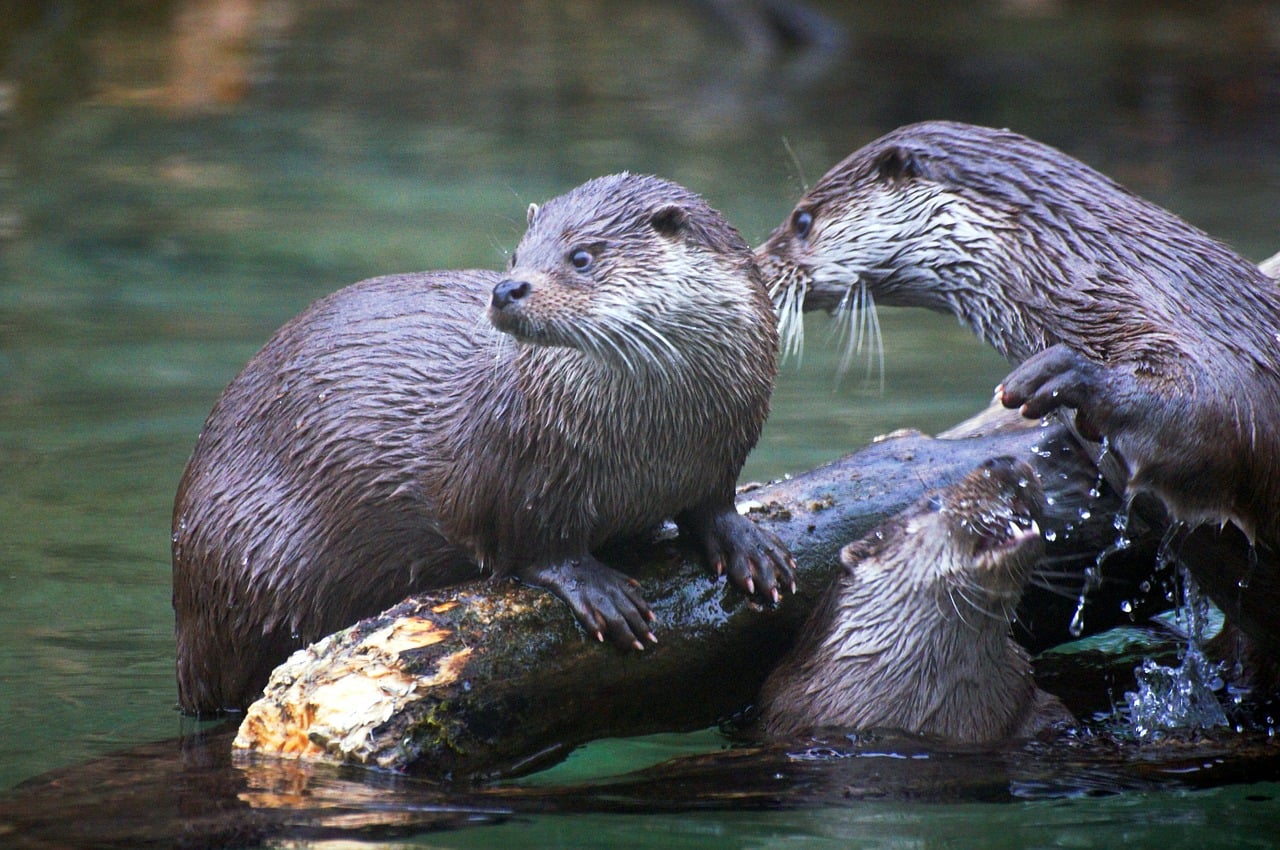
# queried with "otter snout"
point(509, 292)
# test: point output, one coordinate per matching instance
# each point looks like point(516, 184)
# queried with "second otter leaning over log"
point(391, 440)
point(1164, 340)
point(914, 635)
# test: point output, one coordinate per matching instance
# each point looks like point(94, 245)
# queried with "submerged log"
point(496, 679)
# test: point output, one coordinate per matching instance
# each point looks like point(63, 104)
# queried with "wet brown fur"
point(390, 439)
point(1174, 336)
point(914, 634)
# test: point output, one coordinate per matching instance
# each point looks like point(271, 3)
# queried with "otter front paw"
point(606, 602)
point(1057, 377)
point(754, 559)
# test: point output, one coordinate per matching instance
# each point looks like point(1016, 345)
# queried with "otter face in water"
point(914, 635)
point(993, 536)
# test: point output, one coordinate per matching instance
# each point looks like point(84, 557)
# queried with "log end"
point(332, 701)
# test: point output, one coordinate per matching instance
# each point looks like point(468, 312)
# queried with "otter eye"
point(581, 259)
point(802, 223)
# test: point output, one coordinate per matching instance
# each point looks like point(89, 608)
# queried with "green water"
point(175, 183)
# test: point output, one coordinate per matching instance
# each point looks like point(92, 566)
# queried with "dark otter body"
point(390, 439)
point(1163, 340)
point(914, 634)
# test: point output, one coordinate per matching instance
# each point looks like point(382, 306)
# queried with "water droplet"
point(1126, 606)
point(1077, 621)
point(1243, 582)
point(1050, 535)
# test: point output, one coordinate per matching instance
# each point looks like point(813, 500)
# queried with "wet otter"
point(1162, 339)
point(914, 634)
point(390, 439)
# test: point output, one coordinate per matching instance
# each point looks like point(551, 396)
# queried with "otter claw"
point(753, 559)
point(604, 601)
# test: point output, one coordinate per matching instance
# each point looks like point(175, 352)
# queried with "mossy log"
point(496, 679)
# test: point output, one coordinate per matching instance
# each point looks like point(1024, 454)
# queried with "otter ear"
point(528, 218)
point(899, 164)
point(670, 220)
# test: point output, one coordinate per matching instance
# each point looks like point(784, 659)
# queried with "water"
point(1182, 697)
point(175, 184)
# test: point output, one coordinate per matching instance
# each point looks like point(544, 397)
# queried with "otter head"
point(925, 216)
point(914, 635)
point(637, 271)
point(975, 543)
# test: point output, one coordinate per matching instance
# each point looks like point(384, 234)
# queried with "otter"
point(415, 431)
point(1162, 339)
point(914, 634)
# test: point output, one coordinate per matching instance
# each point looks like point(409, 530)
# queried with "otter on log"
point(914, 635)
point(1161, 338)
point(391, 440)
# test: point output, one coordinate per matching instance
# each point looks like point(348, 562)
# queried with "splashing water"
point(1093, 575)
point(1179, 697)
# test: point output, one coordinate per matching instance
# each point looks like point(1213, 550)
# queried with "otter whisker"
point(788, 294)
point(595, 340)
point(648, 339)
point(859, 325)
point(500, 346)
point(975, 597)
point(868, 308)
point(641, 345)
point(951, 597)
point(1049, 587)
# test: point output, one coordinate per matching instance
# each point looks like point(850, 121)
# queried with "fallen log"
point(494, 680)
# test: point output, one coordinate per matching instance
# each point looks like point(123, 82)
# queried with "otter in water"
point(914, 636)
point(391, 440)
point(1162, 339)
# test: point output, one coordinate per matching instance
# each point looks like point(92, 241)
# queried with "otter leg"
point(606, 602)
point(1057, 377)
point(755, 560)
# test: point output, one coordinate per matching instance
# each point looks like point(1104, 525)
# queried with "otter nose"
point(508, 292)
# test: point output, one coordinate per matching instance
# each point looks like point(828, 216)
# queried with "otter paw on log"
point(605, 602)
point(754, 559)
